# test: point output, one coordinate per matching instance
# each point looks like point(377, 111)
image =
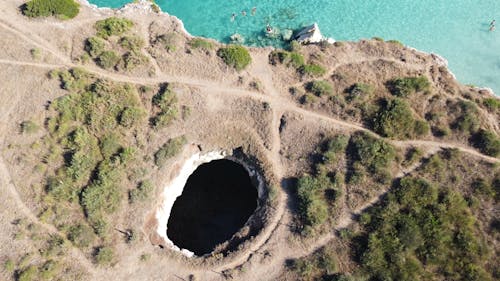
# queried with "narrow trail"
point(39, 42)
point(264, 74)
point(277, 102)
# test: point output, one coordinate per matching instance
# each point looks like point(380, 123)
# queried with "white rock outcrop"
point(311, 34)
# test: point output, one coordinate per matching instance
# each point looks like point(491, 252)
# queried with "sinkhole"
point(216, 202)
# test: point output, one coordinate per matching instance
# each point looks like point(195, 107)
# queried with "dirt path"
point(278, 103)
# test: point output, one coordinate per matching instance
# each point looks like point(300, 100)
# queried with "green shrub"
point(421, 128)
point(81, 235)
point(110, 145)
point(235, 56)
point(170, 41)
point(132, 116)
point(170, 149)
point(142, 192)
point(482, 187)
point(467, 122)
point(395, 42)
point(320, 88)
point(492, 104)
point(65, 9)
point(360, 91)
point(131, 60)
point(166, 101)
point(412, 156)
point(290, 59)
point(403, 87)
point(421, 231)
point(487, 142)
point(103, 194)
point(374, 154)
point(108, 59)
point(9, 266)
point(49, 270)
point(395, 120)
point(28, 274)
point(95, 46)
point(312, 70)
point(29, 127)
point(199, 43)
point(35, 53)
point(113, 26)
point(132, 43)
point(312, 209)
point(104, 256)
point(334, 147)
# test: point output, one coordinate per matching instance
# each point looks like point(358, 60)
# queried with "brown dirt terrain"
point(225, 112)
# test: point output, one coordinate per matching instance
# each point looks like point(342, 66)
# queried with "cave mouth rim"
point(255, 223)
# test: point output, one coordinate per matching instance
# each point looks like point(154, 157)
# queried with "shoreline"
point(145, 6)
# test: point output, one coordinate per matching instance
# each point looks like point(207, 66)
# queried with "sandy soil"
point(226, 113)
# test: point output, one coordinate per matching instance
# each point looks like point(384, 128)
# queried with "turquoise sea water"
point(455, 29)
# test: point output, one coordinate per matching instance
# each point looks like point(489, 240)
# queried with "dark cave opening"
point(217, 201)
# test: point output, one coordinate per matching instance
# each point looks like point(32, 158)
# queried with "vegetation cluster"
point(63, 9)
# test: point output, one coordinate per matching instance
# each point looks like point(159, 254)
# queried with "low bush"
point(312, 70)
point(64, 9)
point(320, 88)
point(199, 43)
point(290, 59)
point(29, 127)
point(103, 195)
point(492, 104)
point(170, 41)
point(132, 116)
point(9, 266)
point(132, 43)
point(108, 59)
point(375, 155)
point(104, 256)
point(404, 87)
point(419, 231)
point(359, 92)
point(113, 26)
point(166, 101)
point(413, 154)
point(81, 235)
point(28, 274)
point(170, 149)
point(142, 192)
point(235, 56)
point(318, 266)
point(395, 42)
point(483, 188)
point(467, 122)
point(49, 270)
point(312, 209)
point(395, 120)
point(131, 60)
point(95, 46)
point(487, 142)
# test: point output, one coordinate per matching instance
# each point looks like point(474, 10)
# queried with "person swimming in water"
point(233, 17)
point(254, 10)
point(243, 13)
point(269, 29)
point(492, 25)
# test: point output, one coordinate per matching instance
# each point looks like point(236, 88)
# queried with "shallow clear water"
point(455, 29)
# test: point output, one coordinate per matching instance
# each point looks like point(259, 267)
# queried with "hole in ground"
point(217, 201)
